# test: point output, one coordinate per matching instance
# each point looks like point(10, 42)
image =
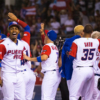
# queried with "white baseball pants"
point(82, 83)
point(1, 95)
point(50, 84)
point(96, 92)
point(68, 83)
point(29, 79)
point(13, 86)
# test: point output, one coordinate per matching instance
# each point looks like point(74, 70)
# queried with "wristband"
point(39, 59)
point(0, 64)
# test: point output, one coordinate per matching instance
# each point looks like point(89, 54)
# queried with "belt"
point(23, 70)
point(97, 74)
point(83, 66)
point(49, 70)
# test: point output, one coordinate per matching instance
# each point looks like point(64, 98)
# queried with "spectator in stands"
point(38, 26)
point(83, 5)
point(55, 25)
point(90, 7)
point(42, 9)
point(69, 25)
point(33, 27)
point(63, 16)
point(91, 21)
point(51, 7)
point(97, 27)
point(85, 19)
point(97, 6)
point(48, 25)
point(48, 16)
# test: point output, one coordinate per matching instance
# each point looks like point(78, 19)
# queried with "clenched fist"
point(42, 28)
point(12, 17)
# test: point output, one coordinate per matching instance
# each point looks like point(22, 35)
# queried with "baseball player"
point(49, 63)
point(11, 51)
point(66, 62)
point(83, 51)
point(96, 93)
point(28, 74)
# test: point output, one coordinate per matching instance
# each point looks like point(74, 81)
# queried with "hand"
point(12, 17)
point(42, 26)
point(1, 82)
point(41, 74)
point(26, 57)
point(67, 53)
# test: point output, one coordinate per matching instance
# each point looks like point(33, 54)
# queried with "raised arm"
point(42, 33)
point(44, 55)
point(26, 35)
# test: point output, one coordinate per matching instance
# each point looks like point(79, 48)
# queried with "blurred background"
point(59, 15)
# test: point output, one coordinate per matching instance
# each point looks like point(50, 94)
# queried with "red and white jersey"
point(11, 55)
point(96, 67)
point(52, 62)
point(84, 50)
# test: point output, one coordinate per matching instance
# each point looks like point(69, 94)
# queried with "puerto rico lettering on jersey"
point(17, 53)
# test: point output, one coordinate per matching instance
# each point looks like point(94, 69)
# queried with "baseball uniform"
point(28, 74)
point(11, 56)
point(96, 92)
point(50, 69)
point(82, 82)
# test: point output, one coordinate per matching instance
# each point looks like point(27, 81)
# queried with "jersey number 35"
point(88, 54)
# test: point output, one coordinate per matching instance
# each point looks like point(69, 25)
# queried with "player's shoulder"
point(24, 42)
point(4, 41)
point(48, 45)
point(77, 40)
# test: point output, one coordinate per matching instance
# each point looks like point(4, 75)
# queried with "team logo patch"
point(44, 50)
point(25, 34)
point(14, 22)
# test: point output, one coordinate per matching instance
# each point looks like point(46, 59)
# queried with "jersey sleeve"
point(26, 36)
point(42, 37)
point(73, 51)
point(46, 50)
point(99, 45)
point(2, 51)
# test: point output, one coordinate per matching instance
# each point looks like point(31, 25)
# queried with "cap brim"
point(14, 25)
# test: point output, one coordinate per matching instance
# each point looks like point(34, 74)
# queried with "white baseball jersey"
point(11, 55)
point(96, 67)
point(84, 50)
point(52, 62)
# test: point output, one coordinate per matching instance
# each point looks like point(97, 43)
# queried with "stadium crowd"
point(59, 15)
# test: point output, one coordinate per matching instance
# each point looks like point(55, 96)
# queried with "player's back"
point(86, 49)
point(52, 62)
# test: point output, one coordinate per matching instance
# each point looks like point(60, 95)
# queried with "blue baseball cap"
point(13, 24)
point(52, 35)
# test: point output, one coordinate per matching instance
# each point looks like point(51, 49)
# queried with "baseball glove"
point(98, 85)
